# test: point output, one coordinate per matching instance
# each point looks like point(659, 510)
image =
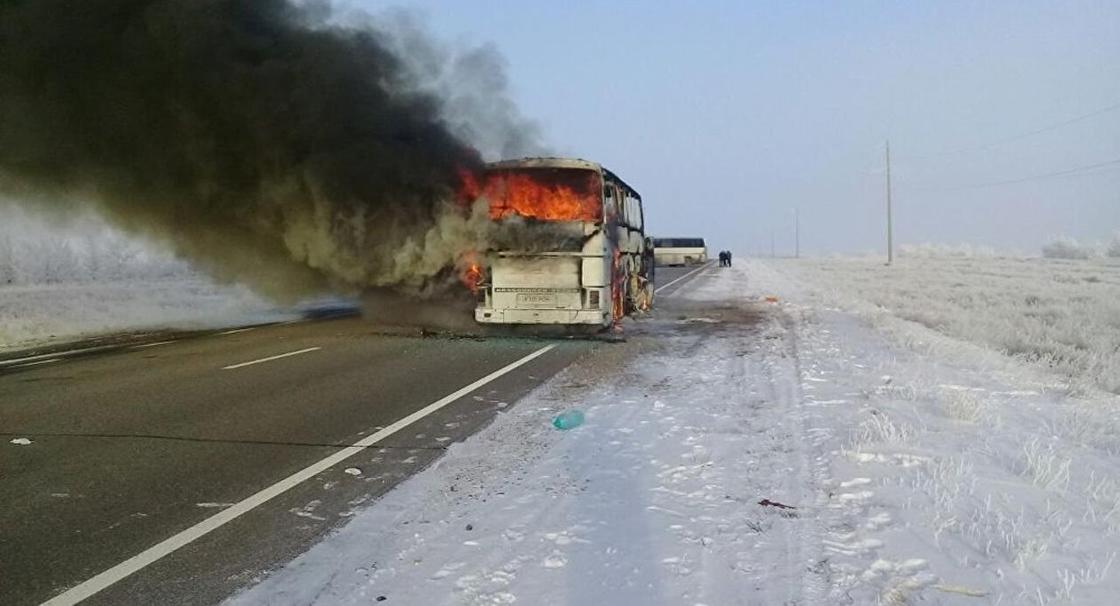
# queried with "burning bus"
point(586, 260)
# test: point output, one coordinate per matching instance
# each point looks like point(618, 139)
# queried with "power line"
point(1017, 137)
point(1061, 173)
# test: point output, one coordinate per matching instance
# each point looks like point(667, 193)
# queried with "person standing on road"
point(723, 258)
point(728, 253)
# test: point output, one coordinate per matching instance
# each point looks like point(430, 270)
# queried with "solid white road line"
point(37, 363)
point(147, 345)
point(271, 358)
point(701, 268)
point(152, 554)
point(56, 354)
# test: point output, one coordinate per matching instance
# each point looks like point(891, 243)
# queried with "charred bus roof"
point(572, 163)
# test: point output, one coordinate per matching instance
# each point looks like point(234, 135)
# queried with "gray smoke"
point(471, 81)
point(266, 142)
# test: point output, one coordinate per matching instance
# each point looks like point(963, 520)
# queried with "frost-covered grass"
point(1063, 315)
point(35, 314)
point(83, 278)
point(84, 249)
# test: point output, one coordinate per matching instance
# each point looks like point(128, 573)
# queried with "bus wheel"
point(634, 294)
point(646, 303)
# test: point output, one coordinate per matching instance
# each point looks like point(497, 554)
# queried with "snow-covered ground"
point(1058, 314)
point(739, 450)
point(64, 280)
point(42, 313)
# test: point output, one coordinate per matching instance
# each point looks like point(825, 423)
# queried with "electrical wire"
point(1020, 136)
point(1061, 173)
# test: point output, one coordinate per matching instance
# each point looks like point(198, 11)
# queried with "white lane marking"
point(271, 358)
point(37, 363)
point(237, 330)
point(147, 345)
point(56, 354)
point(701, 268)
point(152, 554)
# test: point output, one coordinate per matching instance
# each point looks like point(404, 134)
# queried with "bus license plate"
point(536, 299)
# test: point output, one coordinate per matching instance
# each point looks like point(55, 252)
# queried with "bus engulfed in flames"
point(581, 257)
point(537, 194)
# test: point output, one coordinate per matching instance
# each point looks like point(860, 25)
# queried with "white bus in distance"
point(680, 251)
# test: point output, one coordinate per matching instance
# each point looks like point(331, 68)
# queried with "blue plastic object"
point(568, 420)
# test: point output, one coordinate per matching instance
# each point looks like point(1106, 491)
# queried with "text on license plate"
point(536, 299)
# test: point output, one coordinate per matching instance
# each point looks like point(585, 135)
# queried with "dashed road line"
point(271, 358)
point(237, 330)
point(147, 345)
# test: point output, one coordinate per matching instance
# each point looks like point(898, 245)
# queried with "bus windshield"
point(544, 194)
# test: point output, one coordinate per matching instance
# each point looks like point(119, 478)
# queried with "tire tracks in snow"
point(781, 371)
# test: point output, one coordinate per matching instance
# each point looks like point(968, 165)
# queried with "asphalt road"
point(135, 448)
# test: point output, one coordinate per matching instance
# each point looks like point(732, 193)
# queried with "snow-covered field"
point(42, 313)
point(912, 473)
point(1059, 314)
point(83, 278)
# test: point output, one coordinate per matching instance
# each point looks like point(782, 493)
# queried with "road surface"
point(177, 470)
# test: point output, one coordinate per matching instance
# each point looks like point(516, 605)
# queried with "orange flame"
point(526, 195)
point(471, 274)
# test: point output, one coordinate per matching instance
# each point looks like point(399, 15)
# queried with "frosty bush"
point(1113, 249)
point(1066, 248)
point(33, 252)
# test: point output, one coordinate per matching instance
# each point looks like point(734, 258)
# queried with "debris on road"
point(568, 420)
point(21, 441)
point(769, 503)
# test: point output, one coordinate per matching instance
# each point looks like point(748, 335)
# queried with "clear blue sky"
point(728, 115)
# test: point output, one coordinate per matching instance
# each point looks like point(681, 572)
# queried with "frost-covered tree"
point(1065, 248)
point(1113, 249)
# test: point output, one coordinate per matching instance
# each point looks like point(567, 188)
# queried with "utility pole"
point(890, 235)
point(796, 235)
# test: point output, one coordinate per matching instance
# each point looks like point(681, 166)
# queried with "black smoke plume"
point(262, 140)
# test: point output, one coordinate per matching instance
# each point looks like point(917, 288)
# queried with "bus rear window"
point(678, 242)
point(545, 194)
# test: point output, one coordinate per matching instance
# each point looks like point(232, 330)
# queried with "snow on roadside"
point(653, 500)
point(967, 478)
point(911, 477)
